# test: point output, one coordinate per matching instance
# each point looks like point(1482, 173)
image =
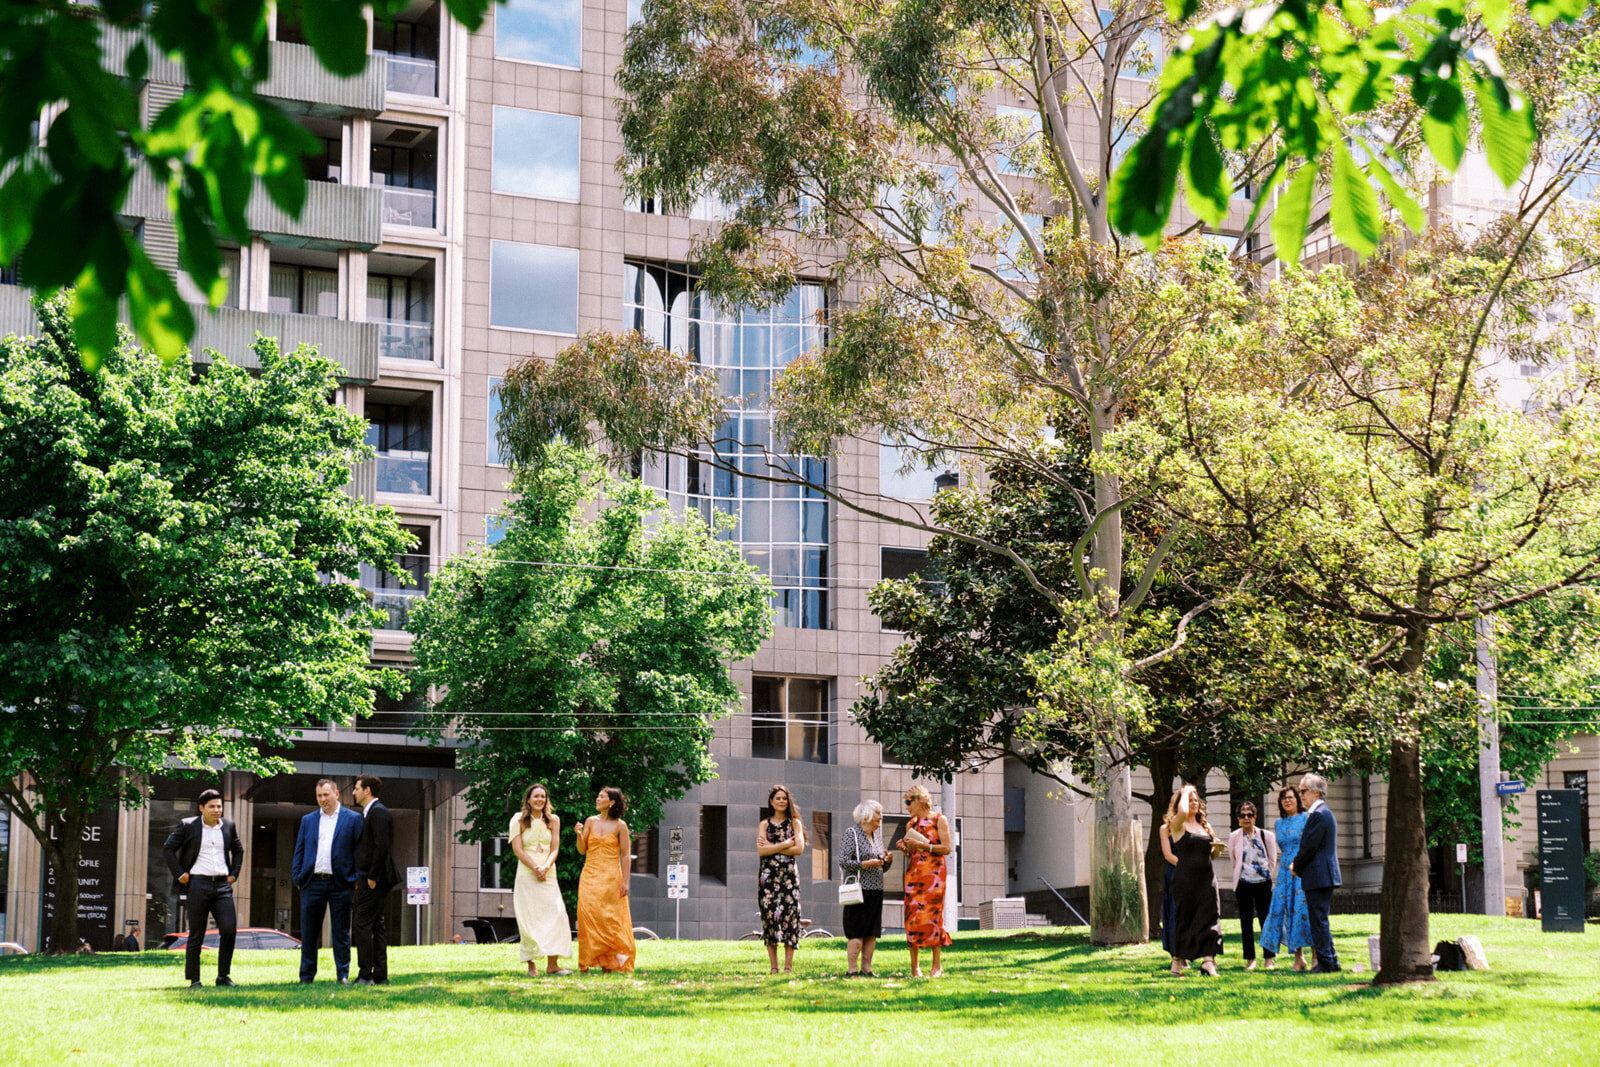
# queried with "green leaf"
point(1508, 132)
point(1496, 14)
point(94, 320)
point(160, 317)
point(1142, 188)
point(1207, 189)
point(1545, 12)
point(1357, 216)
point(19, 199)
point(1293, 212)
point(337, 31)
point(1399, 196)
point(1447, 138)
point(468, 12)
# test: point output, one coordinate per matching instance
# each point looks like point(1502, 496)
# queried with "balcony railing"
point(408, 207)
point(405, 473)
point(396, 606)
point(405, 340)
point(414, 75)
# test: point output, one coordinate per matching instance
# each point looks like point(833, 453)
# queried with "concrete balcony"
point(16, 311)
point(352, 345)
point(302, 86)
point(115, 44)
point(333, 216)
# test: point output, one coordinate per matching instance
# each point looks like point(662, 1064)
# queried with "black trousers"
point(213, 898)
point(370, 937)
point(1254, 899)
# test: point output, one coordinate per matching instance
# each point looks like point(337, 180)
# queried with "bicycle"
point(805, 934)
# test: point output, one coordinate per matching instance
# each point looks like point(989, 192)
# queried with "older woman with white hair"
point(863, 857)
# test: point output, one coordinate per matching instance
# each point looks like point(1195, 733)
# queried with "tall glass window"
point(533, 287)
point(789, 719)
point(540, 31)
point(413, 50)
point(400, 301)
point(400, 428)
point(781, 528)
point(300, 290)
point(390, 593)
point(536, 153)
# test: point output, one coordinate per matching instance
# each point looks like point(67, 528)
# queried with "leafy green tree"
point(165, 541)
point(1547, 658)
point(1349, 444)
point(83, 65)
point(587, 652)
point(1254, 687)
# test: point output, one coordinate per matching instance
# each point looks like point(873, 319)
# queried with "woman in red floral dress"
point(925, 878)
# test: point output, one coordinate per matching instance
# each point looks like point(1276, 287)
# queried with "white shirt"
point(213, 858)
point(1315, 804)
point(368, 807)
point(325, 827)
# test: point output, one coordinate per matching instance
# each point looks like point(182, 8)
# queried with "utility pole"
point(1494, 866)
point(947, 805)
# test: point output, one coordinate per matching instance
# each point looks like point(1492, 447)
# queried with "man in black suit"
point(375, 876)
point(205, 854)
point(1317, 865)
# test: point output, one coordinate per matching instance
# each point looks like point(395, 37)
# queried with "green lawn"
point(1030, 997)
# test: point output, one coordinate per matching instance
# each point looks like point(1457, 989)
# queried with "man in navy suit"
point(1317, 865)
point(324, 869)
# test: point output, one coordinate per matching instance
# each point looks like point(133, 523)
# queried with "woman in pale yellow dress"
point(535, 836)
point(605, 923)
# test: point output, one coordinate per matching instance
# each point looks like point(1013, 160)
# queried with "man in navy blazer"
point(324, 869)
point(1317, 865)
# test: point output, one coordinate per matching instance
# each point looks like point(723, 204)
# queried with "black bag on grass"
point(1447, 956)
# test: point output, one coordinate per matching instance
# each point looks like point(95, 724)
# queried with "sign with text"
point(97, 882)
point(1461, 852)
point(1511, 788)
point(417, 885)
point(677, 892)
point(1560, 860)
point(675, 845)
point(678, 875)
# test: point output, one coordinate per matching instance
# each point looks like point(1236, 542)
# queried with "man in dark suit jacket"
point(324, 869)
point(205, 854)
point(1317, 865)
point(375, 876)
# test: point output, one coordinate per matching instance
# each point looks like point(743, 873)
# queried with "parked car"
point(249, 937)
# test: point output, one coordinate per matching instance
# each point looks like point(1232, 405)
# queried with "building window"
point(491, 439)
point(646, 851)
point(1020, 127)
point(395, 715)
point(405, 161)
point(821, 846)
point(494, 529)
point(900, 564)
point(536, 153)
point(325, 163)
point(400, 300)
point(714, 843)
point(905, 473)
point(192, 293)
point(388, 594)
point(1579, 780)
point(412, 48)
point(533, 287)
point(299, 290)
point(782, 528)
point(540, 31)
point(400, 428)
point(789, 719)
point(497, 865)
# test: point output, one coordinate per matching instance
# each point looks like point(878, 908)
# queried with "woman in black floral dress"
point(779, 839)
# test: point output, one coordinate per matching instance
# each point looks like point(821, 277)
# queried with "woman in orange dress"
point(926, 844)
point(605, 923)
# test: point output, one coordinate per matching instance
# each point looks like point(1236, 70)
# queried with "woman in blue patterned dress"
point(1288, 923)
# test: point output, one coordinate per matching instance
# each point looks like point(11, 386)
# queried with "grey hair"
point(1315, 783)
point(866, 810)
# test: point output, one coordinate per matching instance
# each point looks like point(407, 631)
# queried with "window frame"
point(494, 142)
point(791, 724)
point(501, 9)
point(577, 289)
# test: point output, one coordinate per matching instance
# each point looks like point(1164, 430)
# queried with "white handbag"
point(850, 891)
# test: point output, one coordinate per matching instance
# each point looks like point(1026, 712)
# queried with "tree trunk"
point(62, 855)
point(1117, 909)
point(1403, 908)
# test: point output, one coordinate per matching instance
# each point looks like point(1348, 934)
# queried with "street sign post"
point(417, 893)
point(1560, 861)
point(677, 888)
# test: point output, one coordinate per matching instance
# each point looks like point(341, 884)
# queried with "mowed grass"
point(1034, 997)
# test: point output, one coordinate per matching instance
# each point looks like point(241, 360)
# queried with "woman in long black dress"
point(1197, 913)
point(779, 839)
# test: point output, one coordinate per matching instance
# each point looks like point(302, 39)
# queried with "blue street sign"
point(1506, 789)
